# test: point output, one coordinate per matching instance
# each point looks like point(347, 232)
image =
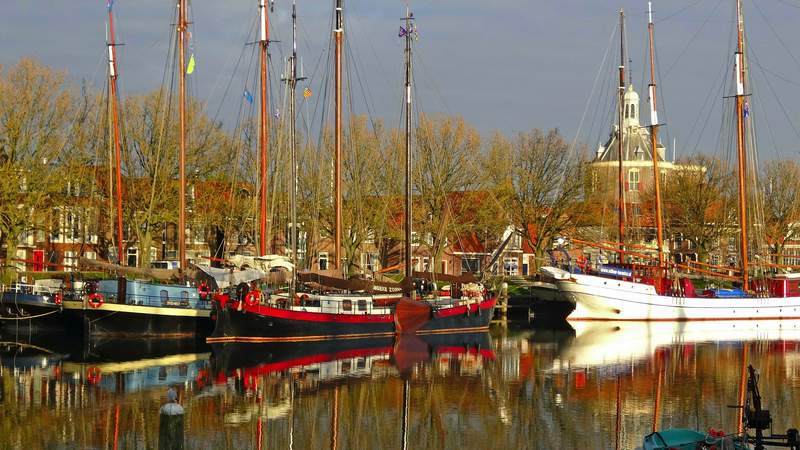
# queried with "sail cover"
point(232, 277)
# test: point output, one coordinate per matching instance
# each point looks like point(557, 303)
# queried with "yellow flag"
point(307, 93)
point(190, 67)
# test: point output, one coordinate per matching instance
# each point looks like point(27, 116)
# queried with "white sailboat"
point(626, 295)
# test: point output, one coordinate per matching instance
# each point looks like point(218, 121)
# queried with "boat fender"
point(58, 298)
point(253, 297)
point(95, 300)
point(203, 290)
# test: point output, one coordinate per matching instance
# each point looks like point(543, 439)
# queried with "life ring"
point(58, 298)
point(93, 375)
point(95, 300)
point(300, 299)
point(253, 297)
point(203, 290)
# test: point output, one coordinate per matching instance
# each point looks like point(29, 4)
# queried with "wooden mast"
point(740, 142)
point(654, 138)
point(338, 33)
point(620, 133)
point(182, 158)
point(112, 81)
point(292, 80)
point(409, 157)
point(263, 128)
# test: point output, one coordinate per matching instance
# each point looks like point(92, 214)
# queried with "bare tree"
point(544, 186)
point(781, 199)
point(36, 107)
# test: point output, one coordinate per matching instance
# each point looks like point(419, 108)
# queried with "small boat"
point(754, 418)
point(31, 305)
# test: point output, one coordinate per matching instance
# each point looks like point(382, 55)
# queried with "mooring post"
point(170, 427)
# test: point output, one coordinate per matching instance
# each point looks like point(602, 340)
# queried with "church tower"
point(631, 109)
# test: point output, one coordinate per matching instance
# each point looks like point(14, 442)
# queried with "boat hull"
point(599, 298)
point(269, 324)
point(122, 320)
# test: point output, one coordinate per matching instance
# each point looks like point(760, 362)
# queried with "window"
point(633, 111)
point(164, 296)
point(70, 260)
point(369, 261)
point(323, 261)
point(510, 266)
point(627, 108)
point(633, 180)
point(132, 257)
point(347, 305)
point(470, 264)
point(362, 305)
point(636, 209)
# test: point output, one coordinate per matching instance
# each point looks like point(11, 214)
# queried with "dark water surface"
point(525, 387)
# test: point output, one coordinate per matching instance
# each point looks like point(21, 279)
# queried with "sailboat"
point(298, 316)
point(130, 307)
point(621, 293)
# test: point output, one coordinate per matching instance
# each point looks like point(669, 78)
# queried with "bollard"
point(170, 426)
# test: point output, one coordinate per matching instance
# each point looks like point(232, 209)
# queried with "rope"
point(31, 317)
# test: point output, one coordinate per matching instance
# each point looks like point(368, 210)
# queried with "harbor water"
point(580, 385)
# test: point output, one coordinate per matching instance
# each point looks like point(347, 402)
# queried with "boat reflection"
point(618, 345)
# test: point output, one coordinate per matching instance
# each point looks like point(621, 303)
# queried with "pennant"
point(248, 96)
point(307, 92)
point(746, 110)
point(190, 67)
point(402, 32)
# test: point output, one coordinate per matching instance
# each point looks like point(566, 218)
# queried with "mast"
point(112, 82)
point(292, 80)
point(740, 141)
point(620, 133)
point(654, 137)
point(182, 158)
point(338, 33)
point(263, 128)
point(409, 161)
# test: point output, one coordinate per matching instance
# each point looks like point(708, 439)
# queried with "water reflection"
point(519, 388)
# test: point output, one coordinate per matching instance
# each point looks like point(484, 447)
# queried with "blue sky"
point(508, 65)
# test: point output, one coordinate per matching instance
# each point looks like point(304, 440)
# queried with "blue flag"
point(746, 110)
point(109, 4)
point(402, 32)
point(248, 96)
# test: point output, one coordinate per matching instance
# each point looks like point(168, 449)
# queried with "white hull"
point(600, 298)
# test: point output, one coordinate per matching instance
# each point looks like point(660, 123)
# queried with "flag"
point(109, 4)
point(190, 67)
point(402, 32)
point(248, 96)
point(277, 113)
point(307, 92)
point(746, 110)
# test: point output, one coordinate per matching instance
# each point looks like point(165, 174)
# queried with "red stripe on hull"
point(473, 309)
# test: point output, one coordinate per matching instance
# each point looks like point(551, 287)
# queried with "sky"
point(506, 65)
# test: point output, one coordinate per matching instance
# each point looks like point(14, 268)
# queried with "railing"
point(183, 302)
point(46, 293)
point(334, 305)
